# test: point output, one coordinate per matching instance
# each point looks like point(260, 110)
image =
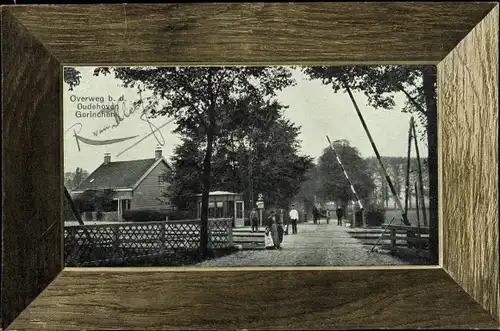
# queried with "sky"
point(316, 108)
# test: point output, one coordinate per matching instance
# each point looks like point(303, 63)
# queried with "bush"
point(375, 216)
point(153, 215)
point(358, 218)
point(99, 215)
point(144, 215)
point(180, 215)
point(87, 216)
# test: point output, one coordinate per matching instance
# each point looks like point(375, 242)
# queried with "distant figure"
point(294, 217)
point(254, 220)
point(285, 221)
point(272, 223)
point(315, 215)
point(327, 216)
point(280, 228)
point(340, 214)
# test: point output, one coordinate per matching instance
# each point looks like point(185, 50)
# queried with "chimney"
point(107, 158)
point(158, 153)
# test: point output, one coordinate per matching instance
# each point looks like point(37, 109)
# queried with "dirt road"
point(314, 245)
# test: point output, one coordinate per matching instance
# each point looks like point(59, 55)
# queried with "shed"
point(223, 204)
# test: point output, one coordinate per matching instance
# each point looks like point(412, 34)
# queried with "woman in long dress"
point(268, 240)
point(273, 225)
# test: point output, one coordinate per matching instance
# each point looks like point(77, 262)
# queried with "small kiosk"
point(222, 204)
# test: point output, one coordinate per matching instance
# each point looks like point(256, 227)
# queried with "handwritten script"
point(120, 113)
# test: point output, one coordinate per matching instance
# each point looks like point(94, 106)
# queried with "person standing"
point(268, 240)
point(254, 220)
point(273, 226)
point(294, 217)
point(315, 214)
point(280, 228)
point(340, 214)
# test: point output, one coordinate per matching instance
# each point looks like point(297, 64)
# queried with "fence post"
point(209, 230)
point(162, 238)
point(393, 239)
point(229, 233)
point(116, 241)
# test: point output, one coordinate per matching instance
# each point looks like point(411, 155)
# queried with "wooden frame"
point(461, 38)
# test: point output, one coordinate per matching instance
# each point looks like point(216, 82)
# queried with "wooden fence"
point(413, 237)
point(408, 241)
point(119, 243)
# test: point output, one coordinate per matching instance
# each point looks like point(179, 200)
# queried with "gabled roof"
point(119, 175)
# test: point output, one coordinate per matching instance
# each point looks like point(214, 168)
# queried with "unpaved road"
point(314, 245)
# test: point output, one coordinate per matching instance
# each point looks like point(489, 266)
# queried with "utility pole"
point(420, 180)
point(250, 172)
point(418, 216)
point(408, 164)
point(350, 183)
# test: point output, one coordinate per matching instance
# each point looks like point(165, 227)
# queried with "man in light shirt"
point(294, 217)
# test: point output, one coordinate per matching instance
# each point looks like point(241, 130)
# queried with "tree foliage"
point(309, 189)
point(72, 77)
point(257, 151)
point(333, 184)
point(396, 168)
point(73, 179)
point(95, 200)
point(185, 177)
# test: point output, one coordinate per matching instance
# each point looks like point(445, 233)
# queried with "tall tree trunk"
point(205, 193)
point(429, 85)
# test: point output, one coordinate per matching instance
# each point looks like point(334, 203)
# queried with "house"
point(135, 184)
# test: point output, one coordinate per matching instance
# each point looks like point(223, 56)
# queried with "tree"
point(280, 169)
point(310, 188)
point(185, 177)
point(72, 77)
point(396, 167)
point(95, 200)
point(200, 99)
point(381, 191)
point(258, 151)
point(73, 179)
point(333, 183)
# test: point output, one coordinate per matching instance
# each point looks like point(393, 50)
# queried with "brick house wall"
point(148, 192)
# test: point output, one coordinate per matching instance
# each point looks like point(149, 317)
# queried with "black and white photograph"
point(249, 166)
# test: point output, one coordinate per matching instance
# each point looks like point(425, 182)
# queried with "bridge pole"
point(350, 184)
point(387, 178)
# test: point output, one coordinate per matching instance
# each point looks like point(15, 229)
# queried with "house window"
point(220, 210)
point(162, 179)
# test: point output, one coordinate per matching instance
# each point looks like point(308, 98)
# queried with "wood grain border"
point(462, 292)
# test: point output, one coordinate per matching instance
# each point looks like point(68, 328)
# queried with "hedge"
point(373, 216)
point(152, 215)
